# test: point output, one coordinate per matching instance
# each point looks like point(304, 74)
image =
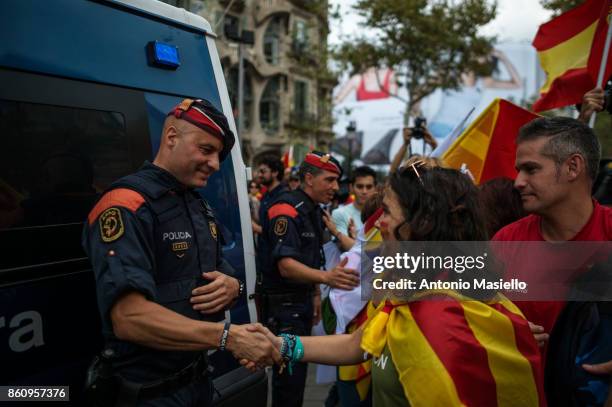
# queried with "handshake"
point(256, 347)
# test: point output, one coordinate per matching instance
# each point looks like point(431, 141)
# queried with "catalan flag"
point(570, 48)
point(487, 147)
point(453, 351)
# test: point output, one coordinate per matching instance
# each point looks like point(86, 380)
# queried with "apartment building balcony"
point(267, 8)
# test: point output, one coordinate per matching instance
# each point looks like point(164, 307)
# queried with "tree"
point(429, 44)
point(560, 6)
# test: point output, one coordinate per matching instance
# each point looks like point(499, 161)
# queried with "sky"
point(517, 20)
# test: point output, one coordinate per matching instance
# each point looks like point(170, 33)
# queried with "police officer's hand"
point(216, 295)
point(275, 340)
point(341, 277)
point(254, 344)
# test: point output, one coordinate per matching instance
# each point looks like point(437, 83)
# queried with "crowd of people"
point(438, 347)
point(550, 200)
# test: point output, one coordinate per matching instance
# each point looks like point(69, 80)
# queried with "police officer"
point(270, 174)
point(160, 279)
point(292, 269)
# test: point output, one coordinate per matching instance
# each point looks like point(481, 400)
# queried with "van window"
point(54, 163)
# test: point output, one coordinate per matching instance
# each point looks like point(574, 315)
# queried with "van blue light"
point(163, 55)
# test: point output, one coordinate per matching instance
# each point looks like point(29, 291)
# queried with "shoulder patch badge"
point(111, 225)
point(213, 229)
point(280, 226)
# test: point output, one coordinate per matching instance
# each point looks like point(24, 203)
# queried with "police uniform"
point(149, 233)
point(263, 244)
point(294, 229)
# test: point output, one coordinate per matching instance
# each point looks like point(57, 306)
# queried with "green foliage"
point(603, 129)
point(560, 6)
point(430, 44)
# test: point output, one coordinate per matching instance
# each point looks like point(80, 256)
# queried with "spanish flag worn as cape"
point(452, 351)
point(487, 148)
point(570, 48)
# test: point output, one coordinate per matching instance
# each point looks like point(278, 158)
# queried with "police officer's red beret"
point(203, 114)
point(324, 161)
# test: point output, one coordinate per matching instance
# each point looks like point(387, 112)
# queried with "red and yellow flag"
point(453, 351)
point(487, 147)
point(570, 48)
point(288, 160)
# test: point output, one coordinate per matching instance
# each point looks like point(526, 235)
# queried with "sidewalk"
point(315, 394)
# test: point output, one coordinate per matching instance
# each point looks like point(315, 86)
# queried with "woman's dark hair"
point(438, 204)
point(501, 204)
point(441, 204)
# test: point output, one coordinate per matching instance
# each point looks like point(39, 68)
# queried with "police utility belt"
point(104, 382)
point(286, 298)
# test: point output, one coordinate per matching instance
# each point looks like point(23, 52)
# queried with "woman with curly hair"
point(440, 347)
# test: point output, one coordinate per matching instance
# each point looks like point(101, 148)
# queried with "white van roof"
point(168, 12)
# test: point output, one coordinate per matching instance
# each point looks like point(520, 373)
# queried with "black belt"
point(289, 297)
point(135, 391)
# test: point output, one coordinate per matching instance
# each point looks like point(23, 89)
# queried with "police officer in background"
point(160, 279)
point(292, 268)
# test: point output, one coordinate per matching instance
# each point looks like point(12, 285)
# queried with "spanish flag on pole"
point(487, 149)
point(453, 351)
point(570, 48)
point(288, 160)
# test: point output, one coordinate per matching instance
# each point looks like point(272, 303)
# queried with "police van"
point(84, 89)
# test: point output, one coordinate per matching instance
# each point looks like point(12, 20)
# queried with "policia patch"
point(111, 225)
point(280, 227)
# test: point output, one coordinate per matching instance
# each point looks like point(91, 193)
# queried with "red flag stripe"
point(453, 341)
point(525, 343)
point(563, 90)
point(567, 25)
point(499, 161)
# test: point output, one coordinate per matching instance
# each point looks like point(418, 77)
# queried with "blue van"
point(84, 89)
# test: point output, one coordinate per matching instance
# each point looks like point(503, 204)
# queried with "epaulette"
point(120, 197)
point(282, 209)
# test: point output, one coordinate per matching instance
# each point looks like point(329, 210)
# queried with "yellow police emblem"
point(111, 225)
point(280, 227)
point(213, 229)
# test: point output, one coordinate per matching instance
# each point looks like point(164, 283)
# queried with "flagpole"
point(602, 67)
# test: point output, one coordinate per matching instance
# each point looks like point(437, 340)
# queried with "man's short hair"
point(306, 168)
point(275, 164)
point(363, 171)
point(566, 136)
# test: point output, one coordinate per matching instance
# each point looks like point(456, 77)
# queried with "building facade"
point(287, 84)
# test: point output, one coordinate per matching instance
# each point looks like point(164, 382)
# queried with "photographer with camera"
point(418, 132)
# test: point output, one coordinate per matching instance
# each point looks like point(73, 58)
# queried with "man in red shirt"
point(557, 160)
